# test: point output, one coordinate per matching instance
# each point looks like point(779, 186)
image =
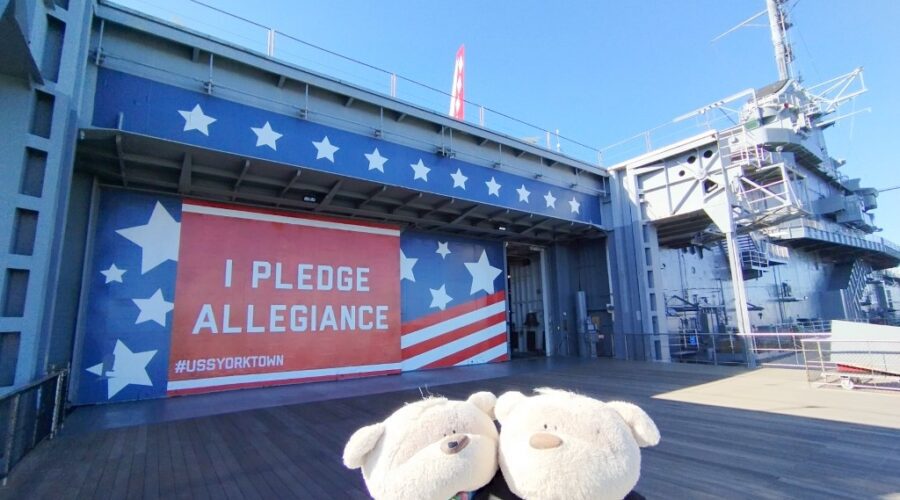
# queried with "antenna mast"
point(779, 25)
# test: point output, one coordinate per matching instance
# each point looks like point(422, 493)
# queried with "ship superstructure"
point(751, 226)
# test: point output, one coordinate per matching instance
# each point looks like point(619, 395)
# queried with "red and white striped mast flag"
point(457, 95)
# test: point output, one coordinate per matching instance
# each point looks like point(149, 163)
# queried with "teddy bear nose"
point(544, 441)
point(455, 444)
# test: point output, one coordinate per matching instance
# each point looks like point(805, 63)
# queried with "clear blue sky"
point(597, 71)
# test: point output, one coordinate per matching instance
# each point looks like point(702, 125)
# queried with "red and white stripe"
point(471, 333)
point(457, 91)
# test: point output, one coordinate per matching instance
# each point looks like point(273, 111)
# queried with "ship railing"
point(28, 415)
point(266, 41)
point(852, 364)
point(780, 347)
point(877, 242)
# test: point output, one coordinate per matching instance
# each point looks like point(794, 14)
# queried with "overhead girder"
point(259, 182)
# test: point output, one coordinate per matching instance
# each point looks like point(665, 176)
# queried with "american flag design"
point(126, 329)
point(451, 298)
point(454, 307)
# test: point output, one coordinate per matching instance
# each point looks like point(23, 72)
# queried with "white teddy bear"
point(430, 449)
point(559, 444)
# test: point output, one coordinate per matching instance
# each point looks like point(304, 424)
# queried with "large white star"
point(196, 120)
point(128, 368)
point(113, 274)
point(523, 193)
point(158, 238)
point(324, 149)
point(439, 297)
point(443, 249)
point(483, 274)
point(406, 267)
point(153, 309)
point(420, 171)
point(576, 207)
point(376, 161)
point(493, 187)
point(550, 199)
point(265, 136)
point(459, 180)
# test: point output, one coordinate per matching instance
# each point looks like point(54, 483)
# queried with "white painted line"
point(176, 385)
point(282, 219)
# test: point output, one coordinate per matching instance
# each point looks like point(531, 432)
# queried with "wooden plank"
point(295, 451)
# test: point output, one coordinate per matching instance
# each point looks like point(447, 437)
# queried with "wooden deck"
point(294, 451)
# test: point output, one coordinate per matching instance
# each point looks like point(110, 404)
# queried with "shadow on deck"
point(727, 432)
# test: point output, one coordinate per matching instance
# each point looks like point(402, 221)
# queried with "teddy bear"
point(558, 444)
point(431, 449)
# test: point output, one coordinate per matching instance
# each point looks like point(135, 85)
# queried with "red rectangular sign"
point(266, 298)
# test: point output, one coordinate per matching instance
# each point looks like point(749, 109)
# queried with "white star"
point(550, 199)
point(265, 136)
point(443, 249)
point(420, 171)
point(459, 180)
point(158, 238)
point(196, 120)
point(113, 274)
point(406, 267)
point(439, 297)
point(523, 193)
point(576, 207)
point(376, 161)
point(128, 368)
point(493, 187)
point(483, 274)
point(324, 149)
point(153, 309)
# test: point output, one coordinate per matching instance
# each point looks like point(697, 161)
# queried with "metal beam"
point(536, 226)
point(440, 206)
point(240, 179)
point(290, 183)
point(330, 196)
point(184, 180)
point(374, 194)
point(465, 214)
point(121, 158)
point(406, 202)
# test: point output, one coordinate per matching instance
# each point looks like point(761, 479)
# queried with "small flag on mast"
point(457, 95)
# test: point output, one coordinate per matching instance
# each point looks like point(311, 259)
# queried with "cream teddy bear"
point(559, 444)
point(430, 449)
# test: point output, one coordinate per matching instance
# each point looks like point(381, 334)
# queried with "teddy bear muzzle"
point(455, 444)
point(545, 441)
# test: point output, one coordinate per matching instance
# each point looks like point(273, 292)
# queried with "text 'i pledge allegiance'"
point(297, 318)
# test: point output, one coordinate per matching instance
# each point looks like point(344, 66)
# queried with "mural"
point(454, 301)
point(192, 297)
point(159, 110)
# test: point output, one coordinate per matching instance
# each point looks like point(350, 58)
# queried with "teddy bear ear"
point(642, 427)
point(361, 443)
point(485, 402)
point(506, 403)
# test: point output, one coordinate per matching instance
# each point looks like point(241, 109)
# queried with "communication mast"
point(778, 25)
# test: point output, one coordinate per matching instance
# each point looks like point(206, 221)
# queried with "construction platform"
point(726, 433)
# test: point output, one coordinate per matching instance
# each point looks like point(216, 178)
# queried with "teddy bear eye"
point(545, 426)
point(454, 431)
